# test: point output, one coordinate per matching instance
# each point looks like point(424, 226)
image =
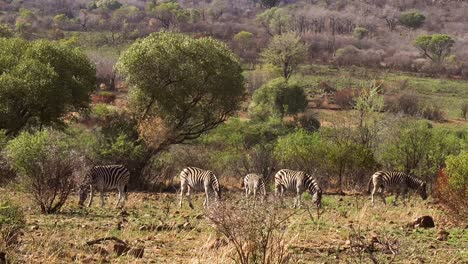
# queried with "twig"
point(98, 241)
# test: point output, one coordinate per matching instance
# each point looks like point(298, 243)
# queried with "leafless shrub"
point(257, 233)
point(433, 112)
point(407, 103)
point(346, 97)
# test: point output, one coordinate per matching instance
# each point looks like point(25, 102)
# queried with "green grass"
point(447, 93)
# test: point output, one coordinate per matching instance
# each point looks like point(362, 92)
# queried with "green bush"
point(277, 98)
point(11, 221)
point(412, 19)
point(102, 111)
point(457, 170)
point(46, 163)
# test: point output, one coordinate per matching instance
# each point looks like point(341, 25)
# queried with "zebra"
point(298, 182)
point(253, 183)
point(192, 178)
point(398, 181)
point(104, 178)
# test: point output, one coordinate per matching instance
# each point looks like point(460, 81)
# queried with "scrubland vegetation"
point(339, 89)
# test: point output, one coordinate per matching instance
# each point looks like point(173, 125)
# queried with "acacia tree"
point(412, 19)
point(186, 86)
point(40, 82)
point(436, 47)
point(286, 51)
point(278, 98)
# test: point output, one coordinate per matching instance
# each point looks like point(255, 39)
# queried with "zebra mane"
point(414, 182)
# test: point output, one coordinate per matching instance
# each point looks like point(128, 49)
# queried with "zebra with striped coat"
point(196, 179)
point(253, 183)
point(396, 181)
point(298, 182)
point(105, 178)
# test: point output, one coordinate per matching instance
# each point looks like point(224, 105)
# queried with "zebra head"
point(317, 197)
point(82, 194)
point(422, 191)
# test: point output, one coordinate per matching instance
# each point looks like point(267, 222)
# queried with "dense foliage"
point(190, 85)
point(40, 82)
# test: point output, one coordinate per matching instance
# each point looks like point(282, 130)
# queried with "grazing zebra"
point(192, 178)
point(298, 182)
point(398, 181)
point(105, 178)
point(253, 183)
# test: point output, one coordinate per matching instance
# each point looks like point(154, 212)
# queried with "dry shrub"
point(46, 163)
point(258, 234)
point(452, 199)
point(154, 132)
point(407, 103)
point(103, 97)
point(11, 222)
point(346, 98)
point(433, 112)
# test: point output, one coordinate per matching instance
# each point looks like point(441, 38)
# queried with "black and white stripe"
point(105, 178)
point(395, 181)
point(254, 183)
point(297, 182)
point(192, 178)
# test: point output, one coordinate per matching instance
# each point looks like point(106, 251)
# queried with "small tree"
point(190, 85)
point(244, 39)
point(278, 98)
point(46, 163)
point(269, 3)
point(170, 14)
point(412, 19)
point(285, 51)
point(436, 47)
point(275, 20)
point(360, 32)
point(6, 31)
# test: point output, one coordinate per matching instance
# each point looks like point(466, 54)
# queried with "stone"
point(424, 222)
point(34, 227)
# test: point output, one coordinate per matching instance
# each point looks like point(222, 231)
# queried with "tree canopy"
point(436, 47)
point(286, 51)
point(412, 19)
point(187, 86)
point(278, 98)
point(40, 82)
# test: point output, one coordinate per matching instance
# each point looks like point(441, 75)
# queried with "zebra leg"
point(102, 198)
point(372, 195)
point(396, 198)
point(206, 202)
point(120, 189)
point(182, 190)
point(246, 191)
point(91, 196)
point(189, 197)
point(381, 192)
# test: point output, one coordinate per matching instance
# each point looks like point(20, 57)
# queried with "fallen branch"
point(98, 241)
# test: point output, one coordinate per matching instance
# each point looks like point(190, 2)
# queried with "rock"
point(137, 252)
point(348, 242)
point(424, 222)
point(34, 227)
point(119, 249)
point(442, 235)
point(187, 225)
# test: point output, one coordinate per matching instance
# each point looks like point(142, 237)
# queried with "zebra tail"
point(125, 188)
point(369, 185)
